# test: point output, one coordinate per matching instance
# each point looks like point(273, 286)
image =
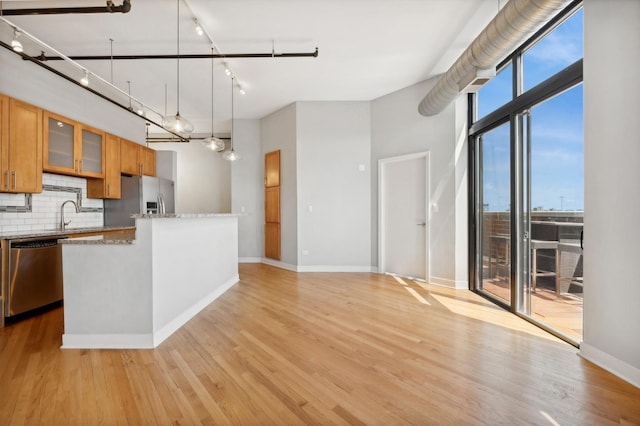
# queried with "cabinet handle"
point(79, 165)
point(108, 189)
point(141, 169)
point(15, 179)
point(75, 166)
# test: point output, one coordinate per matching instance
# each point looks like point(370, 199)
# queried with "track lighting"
point(15, 44)
point(199, 29)
point(227, 71)
point(85, 80)
point(242, 92)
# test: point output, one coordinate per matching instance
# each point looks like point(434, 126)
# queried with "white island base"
point(135, 293)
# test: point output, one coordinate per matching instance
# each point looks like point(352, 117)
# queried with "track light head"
point(15, 44)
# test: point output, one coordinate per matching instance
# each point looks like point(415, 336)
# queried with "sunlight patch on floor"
point(490, 315)
point(549, 418)
point(417, 296)
point(399, 279)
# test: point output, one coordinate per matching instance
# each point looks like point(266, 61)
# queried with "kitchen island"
point(134, 293)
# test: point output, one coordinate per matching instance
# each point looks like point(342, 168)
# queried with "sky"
point(557, 154)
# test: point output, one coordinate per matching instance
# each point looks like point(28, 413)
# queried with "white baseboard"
point(249, 260)
point(279, 264)
point(167, 330)
point(327, 268)
point(317, 268)
point(144, 341)
point(107, 341)
point(610, 363)
point(444, 282)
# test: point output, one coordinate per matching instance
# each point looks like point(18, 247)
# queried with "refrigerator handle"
point(161, 209)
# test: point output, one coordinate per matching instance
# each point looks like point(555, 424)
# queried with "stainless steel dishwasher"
point(35, 275)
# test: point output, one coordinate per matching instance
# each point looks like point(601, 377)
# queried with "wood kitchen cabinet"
point(148, 161)
point(110, 186)
point(72, 148)
point(136, 159)
point(20, 146)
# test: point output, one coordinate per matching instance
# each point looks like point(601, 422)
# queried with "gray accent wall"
point(247, 193)
point(334, 195)
point(398, 129)
point(279, 132)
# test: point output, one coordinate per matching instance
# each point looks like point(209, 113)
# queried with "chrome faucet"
point(63, 224)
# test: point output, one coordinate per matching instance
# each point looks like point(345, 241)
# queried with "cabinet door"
point(59, 140)
point(112, 167)
point(148, 161)
point(5, 173)
point(25, 147)
point(109, 187)
point(129, 158)
point(91, 152)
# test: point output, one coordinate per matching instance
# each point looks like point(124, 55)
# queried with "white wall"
point(203, 183)
point(30, 83)
point(278, 131)
point(612, 107)
point(37, 86)
point(247, 194)
point(334, 196)
point(398, 129)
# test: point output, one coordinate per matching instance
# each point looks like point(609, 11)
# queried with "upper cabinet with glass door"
point(72, 148)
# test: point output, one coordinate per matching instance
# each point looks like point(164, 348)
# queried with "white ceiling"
point(367, 48)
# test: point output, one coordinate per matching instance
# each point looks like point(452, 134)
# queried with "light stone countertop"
point(185, 215)
point(57, 233)
point(111, 239)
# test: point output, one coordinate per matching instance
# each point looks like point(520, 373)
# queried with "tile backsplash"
point(45, 207)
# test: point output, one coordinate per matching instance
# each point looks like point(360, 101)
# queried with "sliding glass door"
point(494, 190)
point(528, 180)
point(553, 212)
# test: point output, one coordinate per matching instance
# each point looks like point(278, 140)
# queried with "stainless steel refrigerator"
point(140, 194)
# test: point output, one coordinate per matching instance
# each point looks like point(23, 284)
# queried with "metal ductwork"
point(517, 20)
point(109, 8)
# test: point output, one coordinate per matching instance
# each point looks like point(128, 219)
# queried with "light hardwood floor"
point(282, 348)
point(562, 312)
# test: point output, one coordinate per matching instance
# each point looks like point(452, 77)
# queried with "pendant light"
point(213, 143)
point(177, 123)
point(231, 155)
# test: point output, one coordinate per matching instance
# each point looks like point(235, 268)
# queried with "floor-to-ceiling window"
point(528, 206)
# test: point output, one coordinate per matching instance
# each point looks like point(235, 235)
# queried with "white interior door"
point(404, 222)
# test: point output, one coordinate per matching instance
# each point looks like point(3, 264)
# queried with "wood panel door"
point(272, 205)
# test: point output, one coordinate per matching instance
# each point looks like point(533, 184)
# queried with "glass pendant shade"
point(213, 143)
point(231, 155)
point(177, 124)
